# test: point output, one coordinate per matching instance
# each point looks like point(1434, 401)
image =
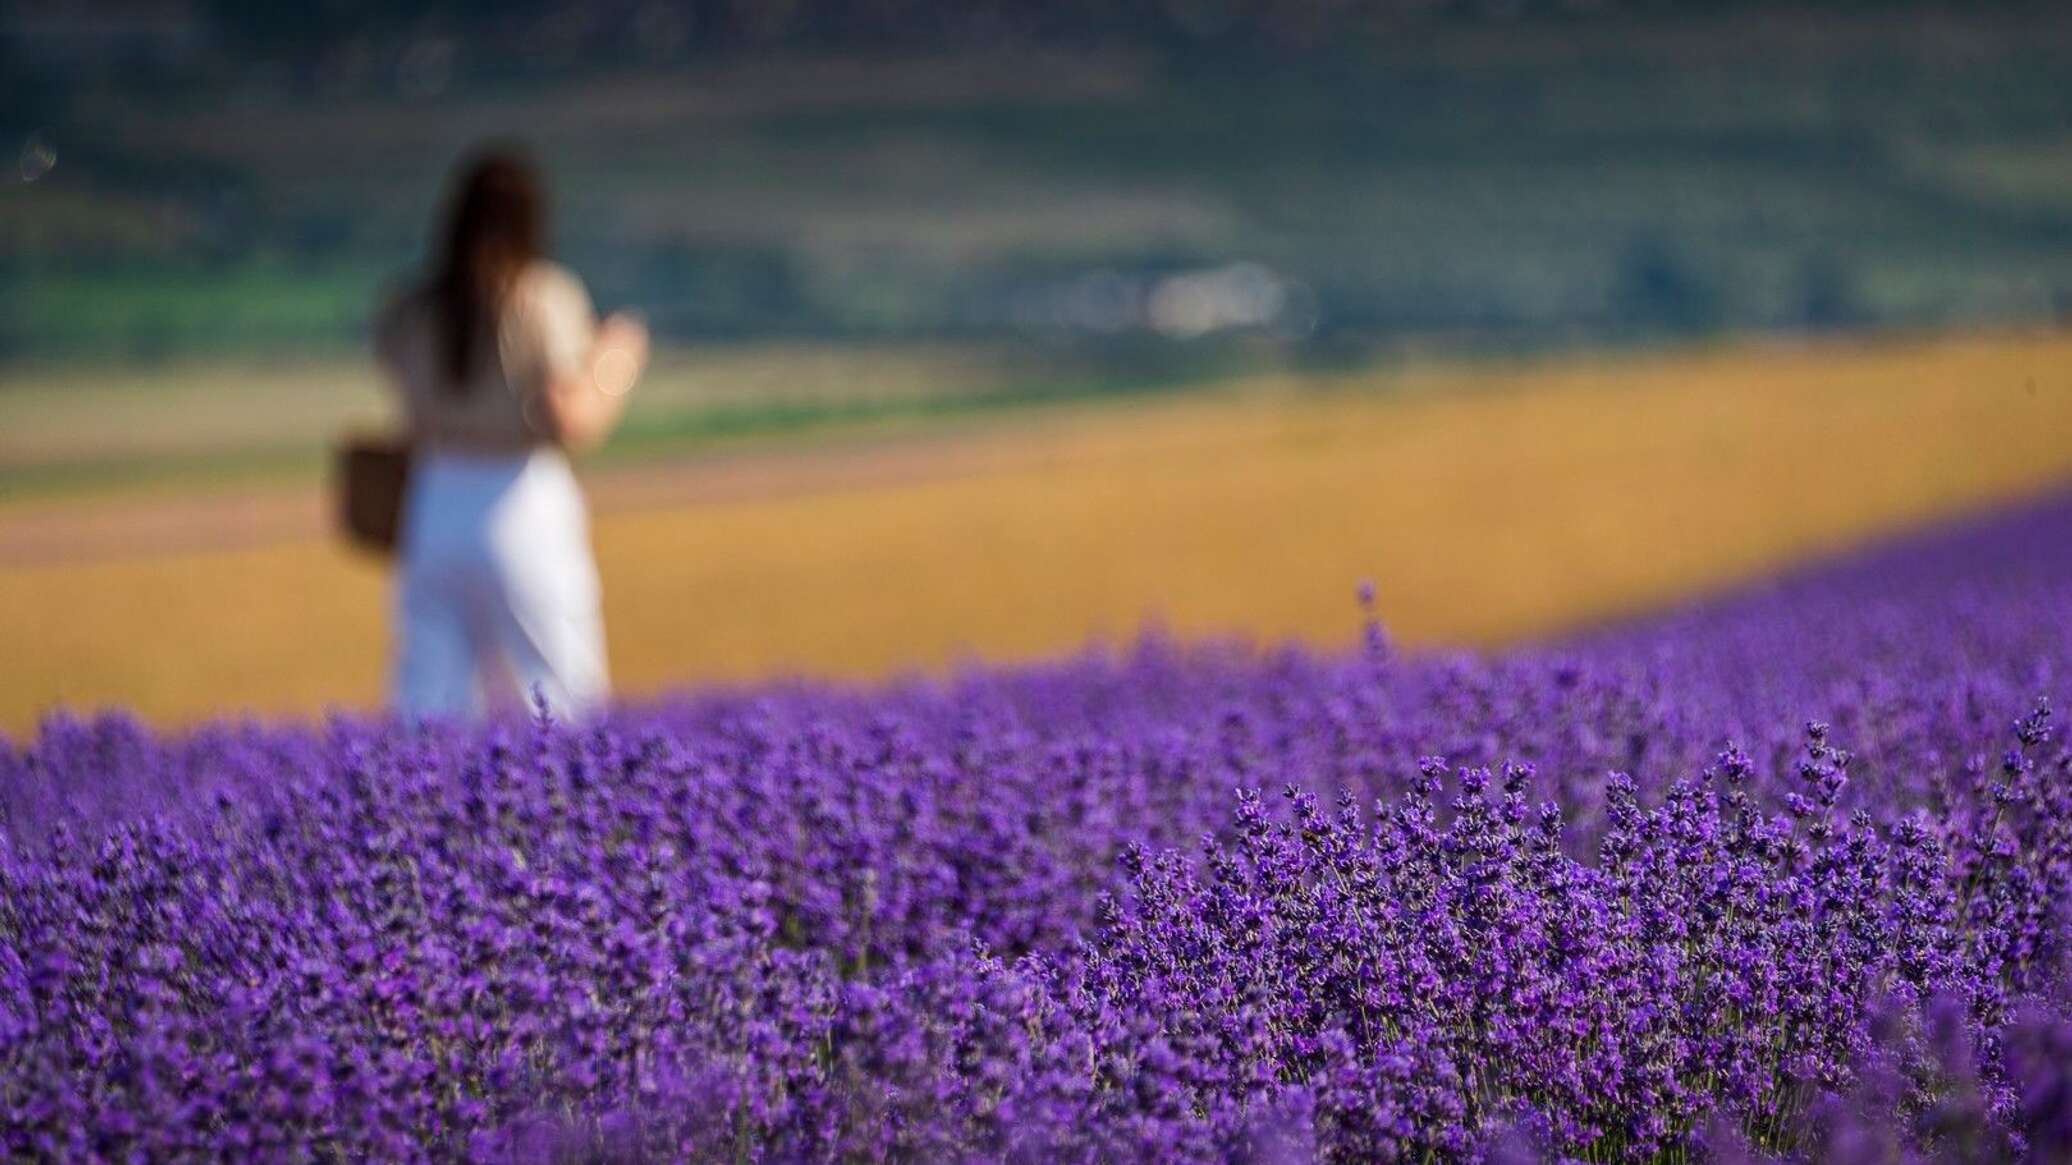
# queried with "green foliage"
point(1625, 179)
point(154, 312)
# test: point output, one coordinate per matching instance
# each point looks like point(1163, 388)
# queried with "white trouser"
point(497, 597)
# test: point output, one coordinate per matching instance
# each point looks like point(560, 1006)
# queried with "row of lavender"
point(1612, 899)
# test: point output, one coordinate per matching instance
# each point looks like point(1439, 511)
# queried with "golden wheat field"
point(1487, 502)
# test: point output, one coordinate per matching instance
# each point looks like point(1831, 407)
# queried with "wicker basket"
point(372, 474)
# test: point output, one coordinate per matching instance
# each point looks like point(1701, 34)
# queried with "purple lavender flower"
point(1782, 876)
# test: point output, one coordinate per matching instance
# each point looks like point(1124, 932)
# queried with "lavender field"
point(1778, 876)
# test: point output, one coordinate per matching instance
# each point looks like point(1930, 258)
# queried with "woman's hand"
point(583, 408)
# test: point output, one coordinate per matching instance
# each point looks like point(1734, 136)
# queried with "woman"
point(503, 368)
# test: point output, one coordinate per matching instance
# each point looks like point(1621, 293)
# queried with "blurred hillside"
point(1158, 187)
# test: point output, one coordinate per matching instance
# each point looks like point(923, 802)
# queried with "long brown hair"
point(495, 225)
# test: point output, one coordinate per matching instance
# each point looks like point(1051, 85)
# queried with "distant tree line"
point(579, 29)
point(147, 42)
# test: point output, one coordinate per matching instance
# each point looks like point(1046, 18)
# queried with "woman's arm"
point(582, 406)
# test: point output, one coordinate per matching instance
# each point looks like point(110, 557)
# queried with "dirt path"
point(132, 524)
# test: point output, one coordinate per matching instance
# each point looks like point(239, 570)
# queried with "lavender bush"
point(1780, 876)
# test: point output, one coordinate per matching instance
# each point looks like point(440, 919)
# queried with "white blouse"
point(544, 330)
